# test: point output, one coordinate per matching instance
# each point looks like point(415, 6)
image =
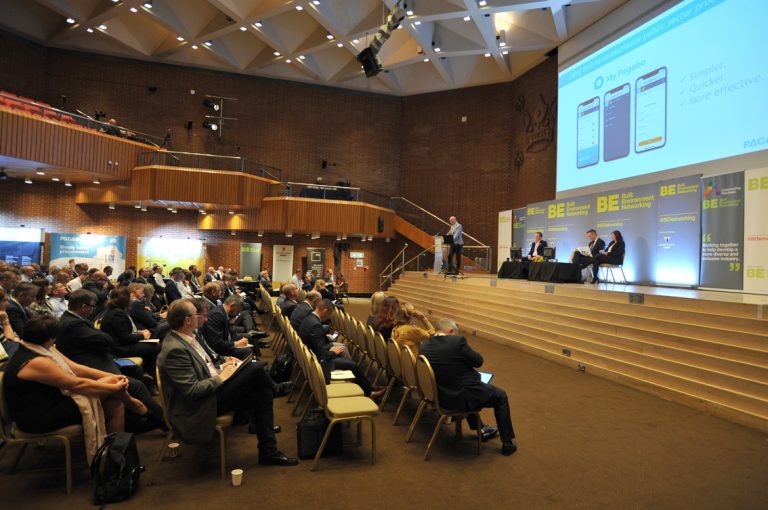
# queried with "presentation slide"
point(688, 86)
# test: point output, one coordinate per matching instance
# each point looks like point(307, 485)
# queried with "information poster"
point(504, 237)
point(250, 260)
point(678, 226)
point(756, 230)
point(95, 250)
point(316, 261)
point(169, 253)
point(282, 263)
point(519, 219)
point(722, 231)
point(20, 246)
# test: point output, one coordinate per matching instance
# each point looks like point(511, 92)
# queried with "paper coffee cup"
point(173, 449)
point(237, 477)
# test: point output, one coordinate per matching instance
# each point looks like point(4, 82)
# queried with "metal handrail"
point(482, 245)
point(240, 164)
point(390, 276)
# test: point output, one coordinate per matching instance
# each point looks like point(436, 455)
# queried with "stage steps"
point(710, 354)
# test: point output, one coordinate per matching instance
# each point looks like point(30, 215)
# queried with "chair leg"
point(16, 461)
point(322, 444)
point(406, 394)
point(623, 276)
point(67, 462)
point(457, 425)
point(298, 399)
point(387, 392)
point(307, 406)
point(378, 375)
point(440, 421)
point(223, 448)
point(415, 420)
point(373, 440)
point(159, 459)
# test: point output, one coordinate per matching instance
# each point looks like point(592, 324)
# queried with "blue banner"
point(20, 246)
point(678, 228)
point(95, 250)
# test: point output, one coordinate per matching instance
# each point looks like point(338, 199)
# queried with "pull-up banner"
point(20, 246)
point(756, 230)
point(250, 260)
point(678, 223)
point(95, 250)
point(722, 231)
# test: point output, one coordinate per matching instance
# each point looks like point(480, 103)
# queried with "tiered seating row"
point(687, 356)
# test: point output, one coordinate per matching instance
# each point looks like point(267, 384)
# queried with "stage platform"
point(703, 348)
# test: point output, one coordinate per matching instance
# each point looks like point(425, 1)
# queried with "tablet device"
point(485, 377)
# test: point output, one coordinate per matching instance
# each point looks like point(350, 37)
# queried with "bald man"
point(458, 243)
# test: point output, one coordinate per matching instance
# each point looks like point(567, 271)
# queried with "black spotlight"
point(211, 125)
point(370, 63)
point(210, 103)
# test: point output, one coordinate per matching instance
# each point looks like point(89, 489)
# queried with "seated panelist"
point(613, 254)
point(537, 247)
point(596, 245)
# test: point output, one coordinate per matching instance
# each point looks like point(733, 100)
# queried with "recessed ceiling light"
point(287, 60)
point(102, 27)
point(276, 53)
point(487, 55)
point(417, 23)
point(426, 60)
point(230, 212)
point(143, 208)
point(355, 41)
point(97, 180)
point(179, 38)
point(482, 3)
point(55, 179)
point(409, 12)
point(175, 211)
point(467, 18)
point(316, 2)
point(134, 10)
point(89, 30)
point(258, 24)
point(27, 180)
point(299, 8)
point(505, 52)
point(137, 206)
point(340, 45)
point(194, 46)
point(502, 44)
point(302, 57)
point(148, 5)
point(40, 172)
point(208, 43)
point(71, 21)
point(437, 49)
point(111, 207)
point(202, 211)
point(329, 36)
point(68, 184)
point(243, 29)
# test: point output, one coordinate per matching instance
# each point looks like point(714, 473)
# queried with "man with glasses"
point(81, 342)
point(197, 390)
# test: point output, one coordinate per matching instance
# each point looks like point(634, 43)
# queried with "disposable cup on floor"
point(237, 477)
point(173, 449)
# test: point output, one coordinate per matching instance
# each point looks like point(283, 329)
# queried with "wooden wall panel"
point(64, 146)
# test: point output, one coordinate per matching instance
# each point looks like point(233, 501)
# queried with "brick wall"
point(51, 206)
point(467, 168)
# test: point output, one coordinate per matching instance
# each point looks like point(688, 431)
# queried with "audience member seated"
point(304, 308)
point(458, 384)
point(27, 274)
point(212, 293)
point(219, 335)
point(197, 391)
point(98, 283)
point(76, 283)
point(192, 276)
point(320, 286)
point(78, 340)
point(290, 302)
point(118, 324)
point(140, 310)
point(265, 280)
point(384, 322)
point(46, 391)
point(338, 284)
point(330, 355)
point(57, 301)
point(411, 327)
point(8, 336)
point(8, 280)
point(143, 276)
point(297, 279)
point(40, 305)
point(209, 276)
point(308, 282)
point(126, 277)
point(376, 299)
point(537, 247)
point(613, 254)
point(281, 295)
point(176, 289)
point(157, 279)
point(18, 310)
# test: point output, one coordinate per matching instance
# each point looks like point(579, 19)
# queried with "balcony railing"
point(209, 161)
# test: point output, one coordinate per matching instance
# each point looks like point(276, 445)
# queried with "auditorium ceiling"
point(444, 44)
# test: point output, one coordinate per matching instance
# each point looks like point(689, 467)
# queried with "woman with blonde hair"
point(411, 327)
point(376, 299)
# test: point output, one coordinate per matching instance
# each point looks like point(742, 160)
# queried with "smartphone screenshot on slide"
point(616, 123)
point(651, 110)
point(588, 133)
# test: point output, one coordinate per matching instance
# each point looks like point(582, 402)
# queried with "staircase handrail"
point(480, 243)
point(390, 267)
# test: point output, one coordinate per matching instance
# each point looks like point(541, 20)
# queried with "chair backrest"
point(380, 348)
point(344, 288)
point(426, 377)
point(159, 381)
point(5, 418)
point(408, 367)
point(393, 359)
point(321, 393)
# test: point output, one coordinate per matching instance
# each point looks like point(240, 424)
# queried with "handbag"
point(310, 432)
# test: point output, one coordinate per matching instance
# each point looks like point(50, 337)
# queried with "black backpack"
point(281, 368)
point(116, 469)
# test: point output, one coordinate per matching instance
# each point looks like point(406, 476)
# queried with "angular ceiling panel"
point(241, 36)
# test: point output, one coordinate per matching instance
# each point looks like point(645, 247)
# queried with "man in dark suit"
point(537, 246)
point(172, 291)
point(303, 309)
point(596, 245)
point(458, 383)
point(289, 304)
point(313, 334)
point(219, 335)
point(197, 390)
point(97, 283)
point(18, 306)
point(82, 343)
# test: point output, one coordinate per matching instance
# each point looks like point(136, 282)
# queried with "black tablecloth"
point(556, 272)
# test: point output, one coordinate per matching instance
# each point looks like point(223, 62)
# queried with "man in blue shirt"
point(458, 243)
